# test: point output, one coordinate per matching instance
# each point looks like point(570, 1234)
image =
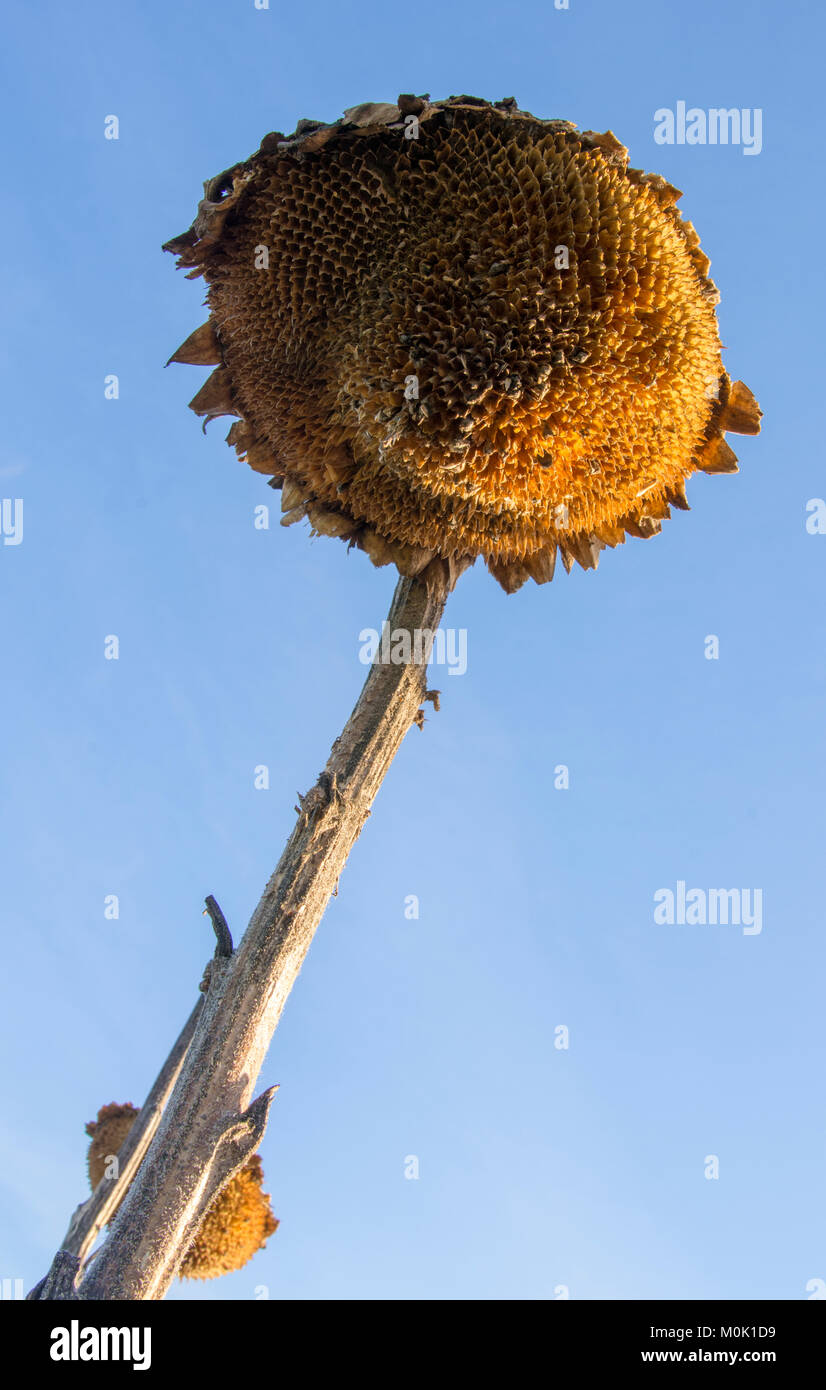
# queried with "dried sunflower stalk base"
point(235, 1226)
point(452, 329)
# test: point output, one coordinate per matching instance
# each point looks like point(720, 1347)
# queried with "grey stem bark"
point(90, 1218)
point(210, 1126)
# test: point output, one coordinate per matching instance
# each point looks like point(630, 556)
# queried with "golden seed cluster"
point(234, 1228)
point(107, 1132)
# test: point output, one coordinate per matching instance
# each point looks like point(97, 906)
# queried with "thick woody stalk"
point(210, 1127)
point(90, 1218)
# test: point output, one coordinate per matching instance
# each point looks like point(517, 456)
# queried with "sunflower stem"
point(89, 1219)
point(211, 1126)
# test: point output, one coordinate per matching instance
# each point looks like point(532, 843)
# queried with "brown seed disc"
point(489, 340)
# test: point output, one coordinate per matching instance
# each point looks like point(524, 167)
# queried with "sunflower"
point(455, 330)
point(448, 331)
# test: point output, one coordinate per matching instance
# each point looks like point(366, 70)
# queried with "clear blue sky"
point(539, 1167)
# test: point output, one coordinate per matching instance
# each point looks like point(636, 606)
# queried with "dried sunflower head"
point(107, 1133)
point(452, 330)
point(235, 1226)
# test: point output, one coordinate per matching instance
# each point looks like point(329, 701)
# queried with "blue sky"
point(540, 1168)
